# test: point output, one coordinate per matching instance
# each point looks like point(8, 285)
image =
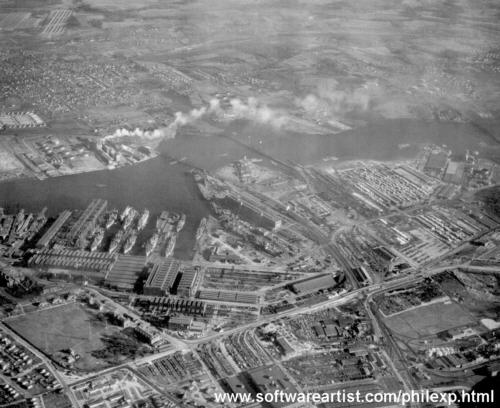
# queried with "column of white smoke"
point(251, 110)
point(182, 119)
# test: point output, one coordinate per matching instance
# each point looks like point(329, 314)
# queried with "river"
point(382, 140)
point(158, 184)
point(154, 184)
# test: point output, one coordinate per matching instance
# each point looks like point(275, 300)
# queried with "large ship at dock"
point(151, 244)
point(130, 242)
point(97, 240)
point(201, 228)
point(169, 247)
point(181, 222)
point(111, 218)
point(143, 220)
point(209, 187)
point(173, 218)
point(116, 241)
point(162, 220)
point(129, 218)
point(125, 213)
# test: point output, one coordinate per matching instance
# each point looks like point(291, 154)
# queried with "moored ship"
point(181, 222)
point(162, 223)
point(125, 213)
point(143, 220)
point(115, 241)
point(201, 228)
point(173, 218)
point(169, 247)
point(130, 242)
point(129, 218)
point(111, 219)
point(97, 240)
point(151, 244)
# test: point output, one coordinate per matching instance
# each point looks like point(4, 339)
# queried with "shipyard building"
point(125, 272)
point(162, 276)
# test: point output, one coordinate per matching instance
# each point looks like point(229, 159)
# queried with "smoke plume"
point(251, 110)
point(256, 112)
point(330, 100)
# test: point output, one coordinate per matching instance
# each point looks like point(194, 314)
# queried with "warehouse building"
point(87, 220)
point(314, 284)
point(125, 272)
point(49, 235)
point(271, 379)
point(186, 282)
point(227, 296)
point(162, 277)
point(73, 260)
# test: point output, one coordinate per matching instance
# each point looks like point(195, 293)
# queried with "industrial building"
point(186, 282)
point(49, 235)
point(87, 220)
point(180, 322)
point(314, 284)
point(284, 346)
point(226, 296)
point(271, 379)
point(249, 213)
point(163, 305)
point(125, 272)
point(162, 276)
point(151, 334)
point(235, 385)
point(73, 259)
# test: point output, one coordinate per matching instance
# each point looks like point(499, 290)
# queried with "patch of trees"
point(118, 346)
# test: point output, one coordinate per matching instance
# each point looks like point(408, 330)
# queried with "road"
point(176, 343)
point(395, 360)
point(370, 290)
point(45, 360)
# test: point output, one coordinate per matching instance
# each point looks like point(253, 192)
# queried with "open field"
point(62, 327)
point(8, 162)
point(429, 320)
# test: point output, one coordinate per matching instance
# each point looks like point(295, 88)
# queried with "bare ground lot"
point(68, 326)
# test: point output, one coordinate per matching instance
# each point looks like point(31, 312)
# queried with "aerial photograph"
point(249, 203)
